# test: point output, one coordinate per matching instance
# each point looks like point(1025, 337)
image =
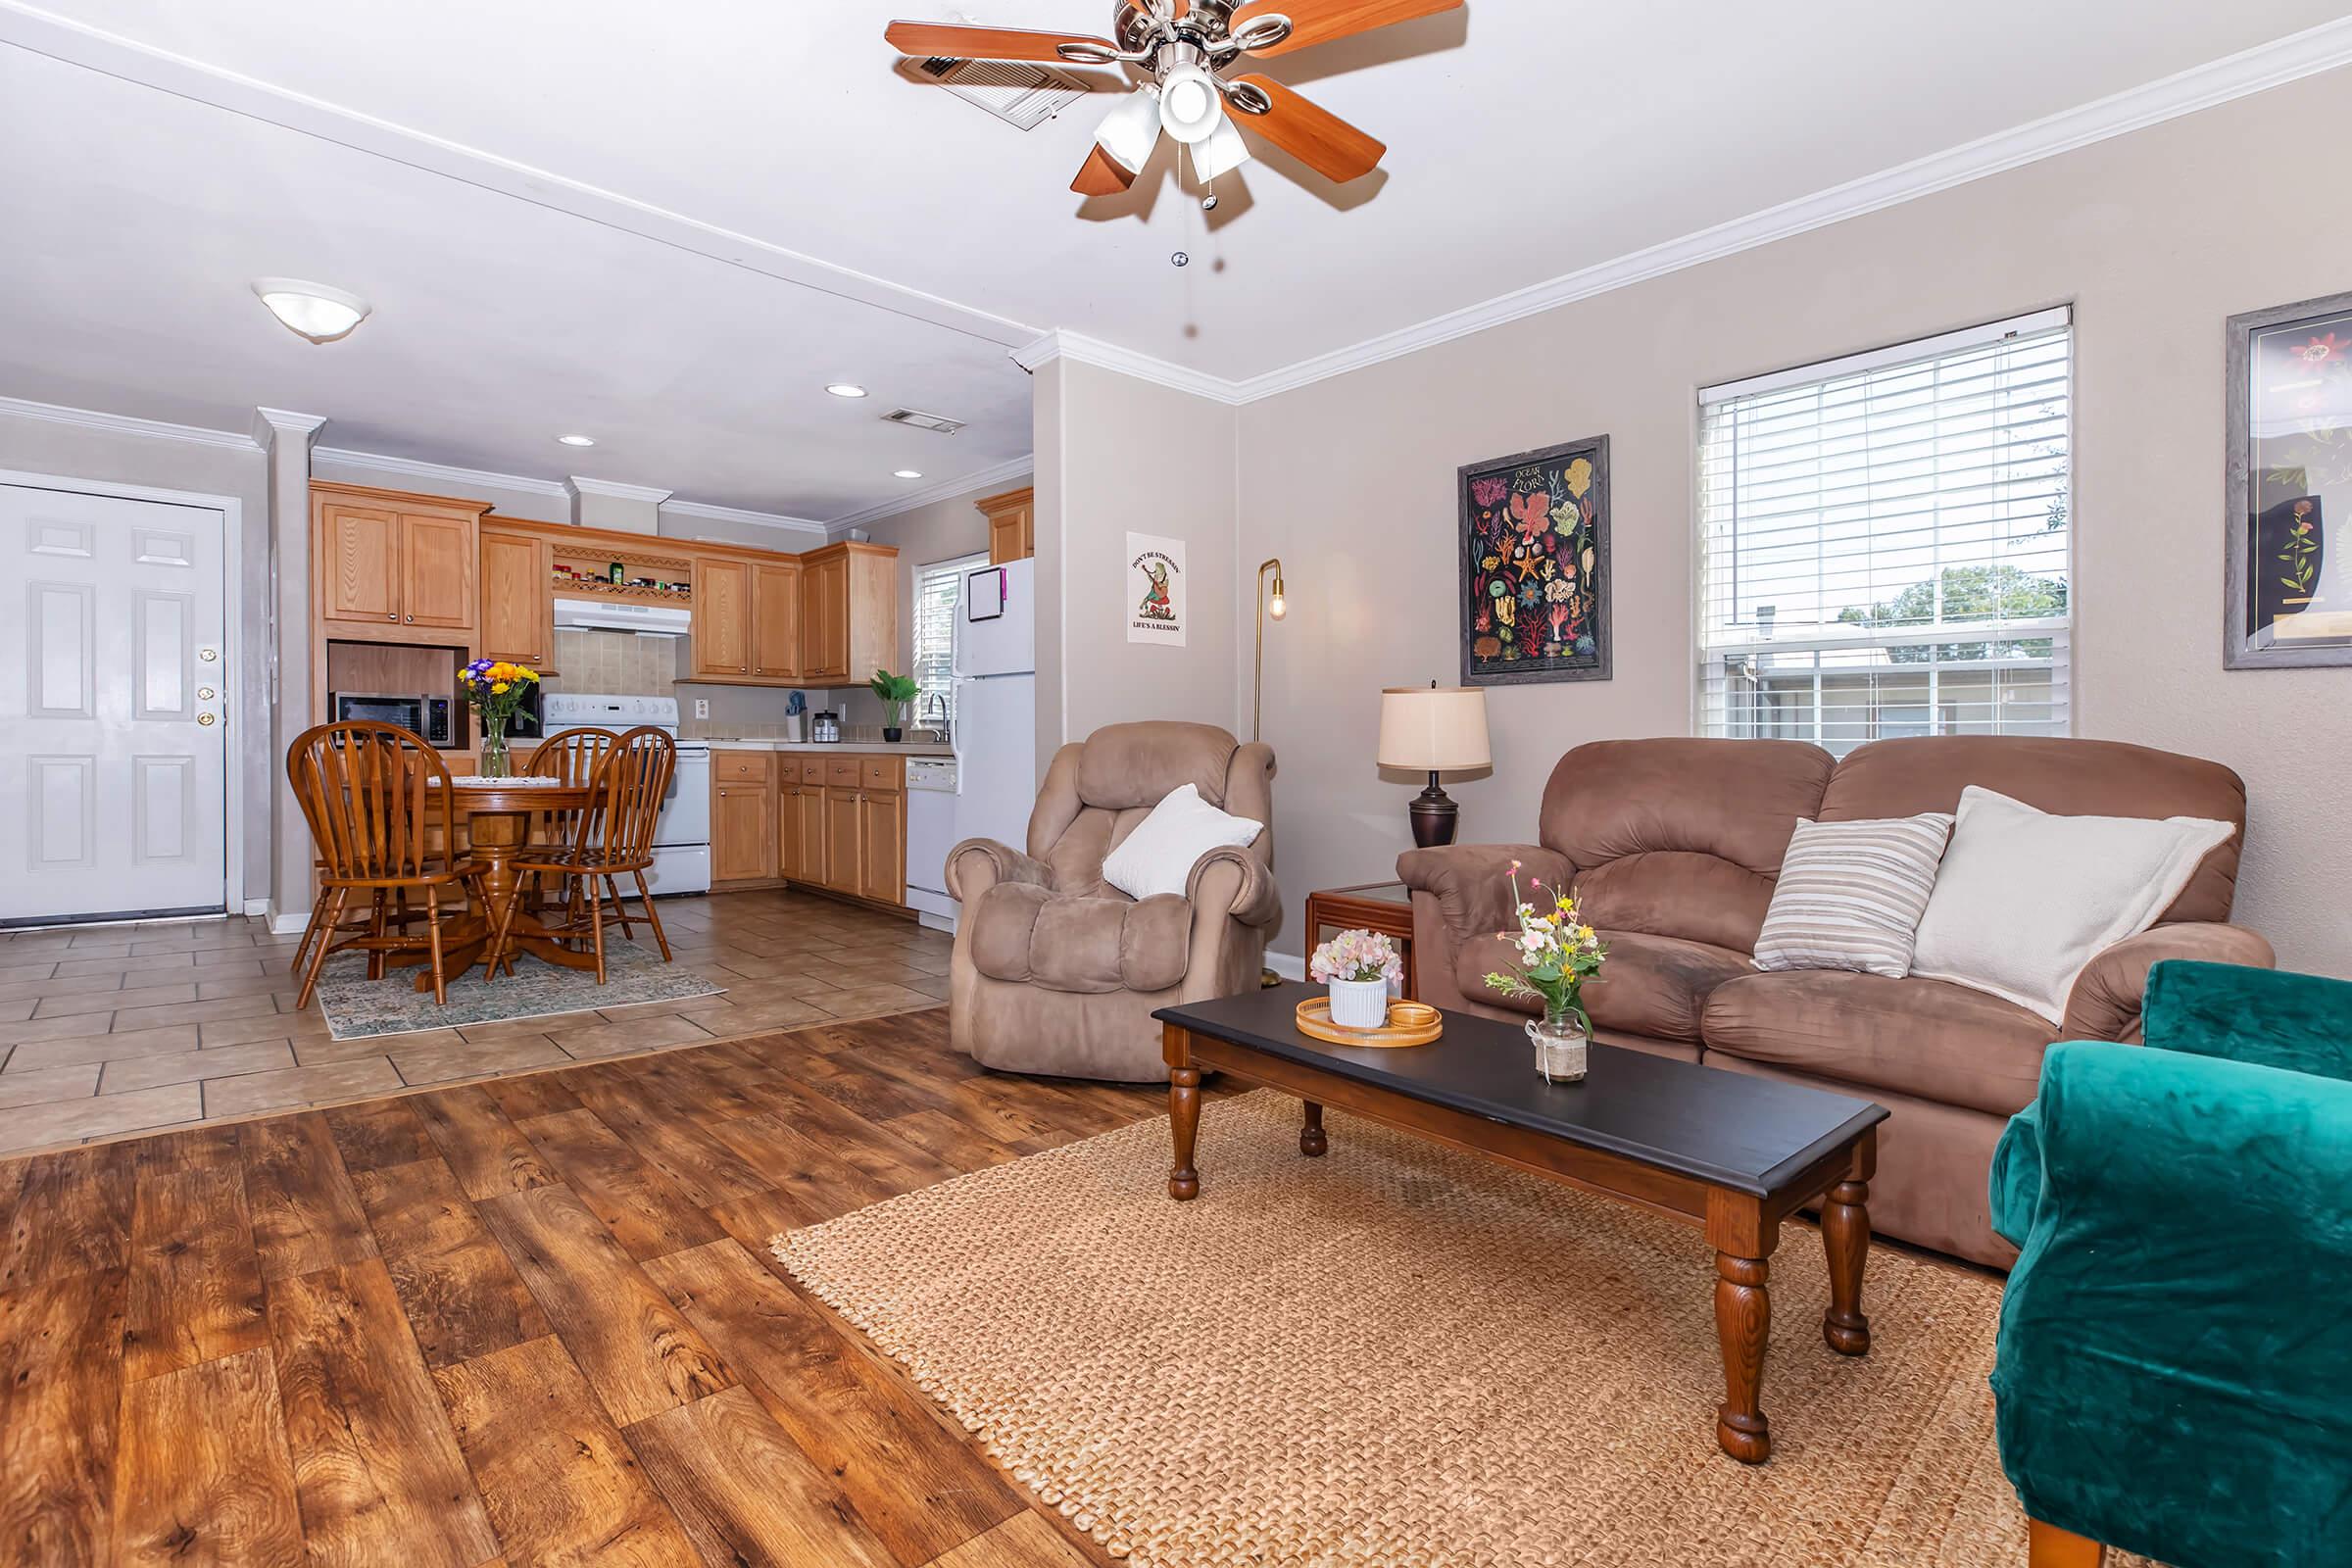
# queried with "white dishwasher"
point(930, 835)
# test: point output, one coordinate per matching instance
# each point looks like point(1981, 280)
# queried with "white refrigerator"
point(996, 703)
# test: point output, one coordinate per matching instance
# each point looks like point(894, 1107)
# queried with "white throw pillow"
point(2026, 899)
point(1159, 855)
point(1850, 895)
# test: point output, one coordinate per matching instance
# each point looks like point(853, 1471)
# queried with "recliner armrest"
point(2106, 999)
point(977, 864)
point(2300, 1022)
point(1257, 901)
point(1472, 882)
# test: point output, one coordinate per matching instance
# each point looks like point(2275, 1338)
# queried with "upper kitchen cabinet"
point(518, 597)
point(776, 620)
point(848, 612)
point(389, 565)
point(1011, 525)
point(747, 619)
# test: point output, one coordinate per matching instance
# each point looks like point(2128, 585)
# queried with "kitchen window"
point(938, 597)
point(1884, 544)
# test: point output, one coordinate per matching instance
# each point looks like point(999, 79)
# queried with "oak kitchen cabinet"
point(742, 817)
point(801, 819)
point(776, 636)
point(1011, 525)
point(848, 612)
point(722, 619)
point(518, 599)
point(387, 564)
point(836, 821)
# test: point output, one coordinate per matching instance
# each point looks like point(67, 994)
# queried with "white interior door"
point(114, 755)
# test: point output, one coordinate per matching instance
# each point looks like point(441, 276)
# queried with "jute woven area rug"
point(1406, 1356)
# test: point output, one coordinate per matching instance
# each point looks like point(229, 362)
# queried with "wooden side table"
point(1386, 908)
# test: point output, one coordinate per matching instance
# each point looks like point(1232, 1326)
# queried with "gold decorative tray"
point(1410, 1023)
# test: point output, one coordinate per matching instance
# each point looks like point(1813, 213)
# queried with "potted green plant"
point(896, 693)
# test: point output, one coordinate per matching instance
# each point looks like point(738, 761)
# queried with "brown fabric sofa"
point(1055, 971)
point(1673, 847)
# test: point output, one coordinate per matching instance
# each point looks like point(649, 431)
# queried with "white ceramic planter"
point(1360, 1004)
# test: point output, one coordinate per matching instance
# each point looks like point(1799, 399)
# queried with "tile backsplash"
point(616, 663)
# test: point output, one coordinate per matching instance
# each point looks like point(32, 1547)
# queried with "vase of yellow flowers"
point(1553, 954)
point(494, 689)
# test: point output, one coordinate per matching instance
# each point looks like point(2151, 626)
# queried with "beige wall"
point(2155, 238)
point(1115, 453)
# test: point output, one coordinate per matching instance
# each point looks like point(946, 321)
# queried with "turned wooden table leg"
point(1311, 1140)
point(1743, 1324)
point(2048, 1546)
point(1846, 1233)
point(1184, 1111)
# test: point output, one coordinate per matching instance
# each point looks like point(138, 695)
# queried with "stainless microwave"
point(433, 718)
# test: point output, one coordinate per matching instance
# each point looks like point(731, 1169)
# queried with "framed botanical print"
point(2289, 574)
point(1535, 565)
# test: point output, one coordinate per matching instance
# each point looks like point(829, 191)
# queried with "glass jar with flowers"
point(494, 689)
point(1358, 967)
point(1553, 954)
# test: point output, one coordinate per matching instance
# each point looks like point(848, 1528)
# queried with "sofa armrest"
point(1472, 882)
point(2300, 1022)
point(2170, 1361)
point(977, 864)
point(1256, 901)
point(2106, 999)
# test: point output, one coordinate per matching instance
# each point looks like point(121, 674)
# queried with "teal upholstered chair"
point(2174, 1365)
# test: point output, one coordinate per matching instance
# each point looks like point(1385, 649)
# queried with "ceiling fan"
point(1183, 48)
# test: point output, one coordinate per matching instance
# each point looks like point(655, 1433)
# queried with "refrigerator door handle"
point(955, 734)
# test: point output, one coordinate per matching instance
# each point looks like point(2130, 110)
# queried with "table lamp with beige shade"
point(1434, 729)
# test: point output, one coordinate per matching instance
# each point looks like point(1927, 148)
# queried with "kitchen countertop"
point(901, 748)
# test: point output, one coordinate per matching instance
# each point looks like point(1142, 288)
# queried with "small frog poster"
point(1155, 590)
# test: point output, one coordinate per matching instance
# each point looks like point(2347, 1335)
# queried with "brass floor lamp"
point(1275, 607)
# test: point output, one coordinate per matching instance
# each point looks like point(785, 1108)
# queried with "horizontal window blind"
point(938, 591)
point(1884, 545)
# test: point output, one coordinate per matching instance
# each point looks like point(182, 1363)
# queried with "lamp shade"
point(1431, 729)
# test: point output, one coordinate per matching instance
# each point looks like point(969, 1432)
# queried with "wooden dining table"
point(498, 814)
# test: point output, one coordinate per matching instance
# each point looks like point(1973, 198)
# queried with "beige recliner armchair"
point(1055, 971)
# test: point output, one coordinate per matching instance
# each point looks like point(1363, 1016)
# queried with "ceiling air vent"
point(924, 421)
point(1019, 94)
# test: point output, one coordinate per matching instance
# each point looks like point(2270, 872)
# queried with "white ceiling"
point(1528, 140)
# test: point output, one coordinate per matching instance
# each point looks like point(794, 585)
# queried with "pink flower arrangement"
point(1356, 955)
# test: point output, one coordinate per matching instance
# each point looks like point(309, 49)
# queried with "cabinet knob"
point(392, 615)
point(406, 619)
point(739, 669)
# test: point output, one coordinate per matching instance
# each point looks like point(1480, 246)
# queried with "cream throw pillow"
point(1159, 855)
point(2026, 899)
point(1850, 895)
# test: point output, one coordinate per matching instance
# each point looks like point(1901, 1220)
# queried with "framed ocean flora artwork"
point(2289, 572)
point(1534, 583)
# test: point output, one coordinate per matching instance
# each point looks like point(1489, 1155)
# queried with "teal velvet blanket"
point(2174, 1363)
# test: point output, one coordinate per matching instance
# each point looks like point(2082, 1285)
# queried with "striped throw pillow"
point(1850, 895)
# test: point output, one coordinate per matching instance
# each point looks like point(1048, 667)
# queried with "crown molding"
point(271, 424)
point(126, 424)
point(2258, 70)
point(438, 473)
point(945, 490)
point(1080, 348)
point(614, 490)
point(760, 519)
point(185, 77)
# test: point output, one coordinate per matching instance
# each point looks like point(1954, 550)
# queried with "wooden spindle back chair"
point(383, 814)
point(571, 757)
point(614, 835)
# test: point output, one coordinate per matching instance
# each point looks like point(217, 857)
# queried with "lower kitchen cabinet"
point(836, 821)
point(800, 832)
point(742, 832)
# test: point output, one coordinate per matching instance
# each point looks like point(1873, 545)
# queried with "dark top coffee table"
point(1732, 1154)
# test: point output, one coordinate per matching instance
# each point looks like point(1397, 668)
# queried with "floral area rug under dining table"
point(358, 1007)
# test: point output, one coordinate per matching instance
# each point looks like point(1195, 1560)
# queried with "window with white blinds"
point(1883, 542)
point(938, 591)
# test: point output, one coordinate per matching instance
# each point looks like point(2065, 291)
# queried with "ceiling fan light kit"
point(1181, 47)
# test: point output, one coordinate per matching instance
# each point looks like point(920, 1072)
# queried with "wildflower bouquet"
point(1556, 952)
point(494, 689)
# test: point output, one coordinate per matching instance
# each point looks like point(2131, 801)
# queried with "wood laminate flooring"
point(525, 1321)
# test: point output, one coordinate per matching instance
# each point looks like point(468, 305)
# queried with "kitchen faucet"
point(937, 703)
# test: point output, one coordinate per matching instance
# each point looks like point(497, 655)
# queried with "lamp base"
point(1434, 816)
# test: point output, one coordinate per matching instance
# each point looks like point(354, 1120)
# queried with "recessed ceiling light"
point(312, 310)
point(577, 440)
point(908, 473)
point(846, 389)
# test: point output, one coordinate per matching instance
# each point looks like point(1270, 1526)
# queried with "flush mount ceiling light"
point(577, 440)
point(846, 389)
point(908, 474)
point(312, 310)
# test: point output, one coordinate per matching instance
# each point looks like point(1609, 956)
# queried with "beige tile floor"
point(110, 1030)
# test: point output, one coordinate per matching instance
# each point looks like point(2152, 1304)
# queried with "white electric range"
point(682, 835)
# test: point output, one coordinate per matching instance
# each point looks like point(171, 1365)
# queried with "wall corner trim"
point(271, 424)
point(1080, 348)
point(614, 490)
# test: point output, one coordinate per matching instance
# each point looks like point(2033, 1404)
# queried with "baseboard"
point(283, 922)
point(1289, 966)
point(256, 907)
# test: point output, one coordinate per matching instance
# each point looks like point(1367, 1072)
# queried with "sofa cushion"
point(1653, 986)
point(1033, 936)
point(1928, 1037)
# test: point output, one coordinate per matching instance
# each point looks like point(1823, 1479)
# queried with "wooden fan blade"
point(1314, 21)
point(928, 38)
point(1315, 135)
point(1100, 175)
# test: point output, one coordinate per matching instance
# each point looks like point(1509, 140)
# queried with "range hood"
point(613, 614)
